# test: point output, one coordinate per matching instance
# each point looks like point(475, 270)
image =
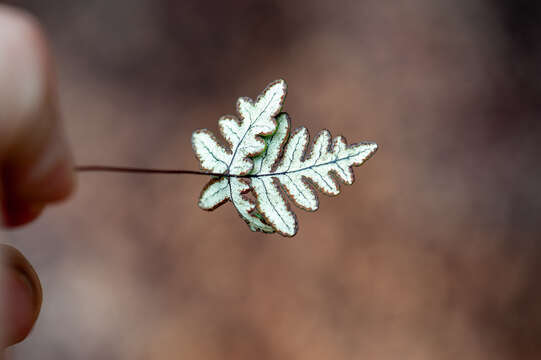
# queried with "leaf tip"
point(373, 147)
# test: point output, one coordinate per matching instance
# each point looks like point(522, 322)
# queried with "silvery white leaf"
point(262, 157)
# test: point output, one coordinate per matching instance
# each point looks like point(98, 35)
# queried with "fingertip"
point(18, 307)
point(47, 177)
point(35, 159)
point(21, 296)
point(44, 178)
point(19, 215)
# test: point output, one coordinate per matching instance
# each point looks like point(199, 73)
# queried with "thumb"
point(20, 290)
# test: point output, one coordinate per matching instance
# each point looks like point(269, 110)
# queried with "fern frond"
point(262, 157)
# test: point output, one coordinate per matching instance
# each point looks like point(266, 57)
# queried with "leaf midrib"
point(305, 168)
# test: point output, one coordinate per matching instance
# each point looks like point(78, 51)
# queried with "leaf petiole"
point(134, 170)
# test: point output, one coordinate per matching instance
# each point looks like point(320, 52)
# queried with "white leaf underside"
point(274, 165)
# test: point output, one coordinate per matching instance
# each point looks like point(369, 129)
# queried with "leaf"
point(272, 168)
point(244, 140)
point(297, 172)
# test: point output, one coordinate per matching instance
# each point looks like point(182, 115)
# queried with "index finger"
point(35, 161)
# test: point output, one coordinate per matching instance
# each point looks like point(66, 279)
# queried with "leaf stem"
point(134, 170)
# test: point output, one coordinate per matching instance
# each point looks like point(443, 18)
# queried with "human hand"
point(35, 162)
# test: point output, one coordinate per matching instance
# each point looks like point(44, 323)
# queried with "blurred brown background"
point(434, 252)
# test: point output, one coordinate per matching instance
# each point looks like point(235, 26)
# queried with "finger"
point(21, 296)
point(35, 161)
point(18, 214)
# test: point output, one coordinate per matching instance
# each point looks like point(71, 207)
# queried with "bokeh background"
point(434, 252)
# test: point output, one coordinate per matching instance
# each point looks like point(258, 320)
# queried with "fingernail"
point(18, 306)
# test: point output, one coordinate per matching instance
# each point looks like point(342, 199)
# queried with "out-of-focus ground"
point(433, 253)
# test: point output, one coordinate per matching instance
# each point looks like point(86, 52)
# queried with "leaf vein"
point(296, 186)
point(322, 178)
point(214, 156)
point(272, 203)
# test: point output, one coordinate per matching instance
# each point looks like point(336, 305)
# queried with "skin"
point(36, 167)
